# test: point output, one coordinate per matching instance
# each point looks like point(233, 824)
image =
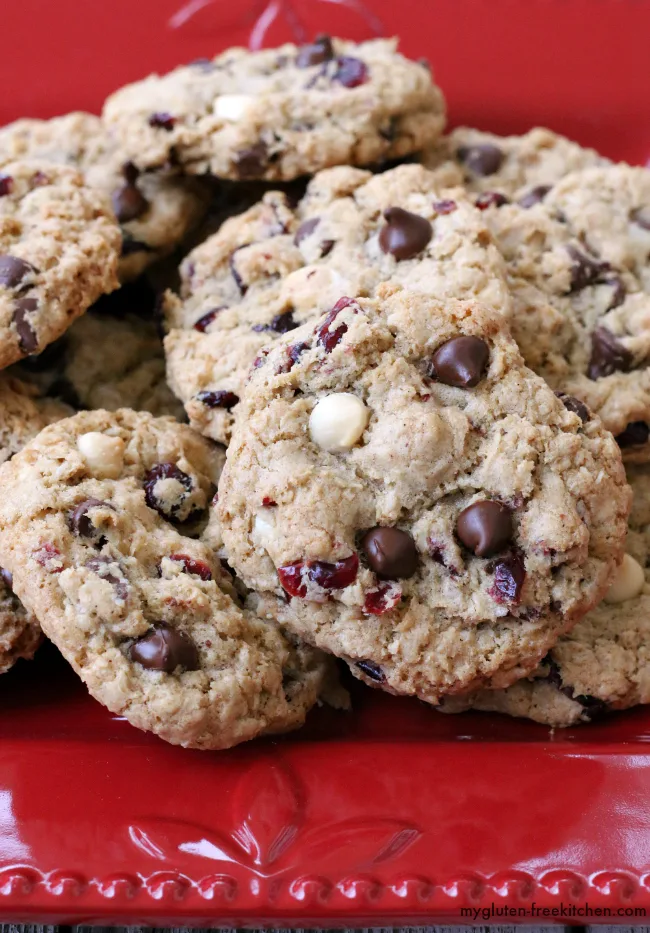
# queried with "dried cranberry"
point(445, 207)
point(239, 282)
point(45, 553)
point(350, 72)
point(490, 199)
point(162, 121)
point(292, 355)
point(205, 320)
point(327, 338)
point(290, 577)
point(279, 324)
point(334, 576)
point(197, 568)
point(268, 502)
point(371, 670)
point(383, 599)
point(509, 578)
point(329, 576)
point(6, 185)
point(220, 399)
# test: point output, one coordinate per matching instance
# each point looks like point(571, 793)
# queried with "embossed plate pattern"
point(391, 814)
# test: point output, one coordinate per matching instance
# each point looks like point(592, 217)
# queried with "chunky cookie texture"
point(402, 491)
point(59, 246)
point(155, 210)
point(579, 271)
point(522, 168)
point(280, 113)
point(23, 413)
point(96, 534)
point(278, 266)
point(603, 664)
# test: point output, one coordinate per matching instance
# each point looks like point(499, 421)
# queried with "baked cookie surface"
point(603, 664)
point(278, 266)
point(155, 210)
point(95, 532)
point(520, 167)
point(59, 246)
point(403, 492)
point(280, 113)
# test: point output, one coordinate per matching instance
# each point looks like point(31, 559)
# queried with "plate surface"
point(391, 814)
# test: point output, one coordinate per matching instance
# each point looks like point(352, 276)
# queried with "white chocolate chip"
point(628, 582)
point(263, 529)
point(104, 455)
point(231, 107)
point(338, 421)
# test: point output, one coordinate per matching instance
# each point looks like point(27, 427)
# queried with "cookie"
point(520, 167)
point(280, 113)
point(403, 492)
point(603, 664)
point(59, 246)
point(22, 415)
point(579, 271)
point(96, 534)
point(276, 267)
point(155, 211)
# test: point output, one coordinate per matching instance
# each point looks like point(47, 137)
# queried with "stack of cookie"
point(410, 390)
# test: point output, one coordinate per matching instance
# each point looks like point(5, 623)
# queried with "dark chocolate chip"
point(252, 162)
point(162, 471)
point(220, 399)
point(80, 522)
point(99, 564)
point(129, 203)
point(371, 670)
point(27, 338)
point(482, 159)
point(206, 319)
point(534, 196)
point(485, 527)
point(165, 649)
point(635, 434)
point(641, 217)
point(162, 121)
point(585, 271)
point(608, 355)
point(131, 246)
point(404, 235)
point(576, 406)
point(315, 53)
point(305, 229)
point(390, 552)
point(594, 707)
point(490, 199)
point(6, 184)
point(13, 270)
point(350, 72)
point(460, 362)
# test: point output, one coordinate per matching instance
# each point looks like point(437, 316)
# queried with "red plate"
point(392, 814)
